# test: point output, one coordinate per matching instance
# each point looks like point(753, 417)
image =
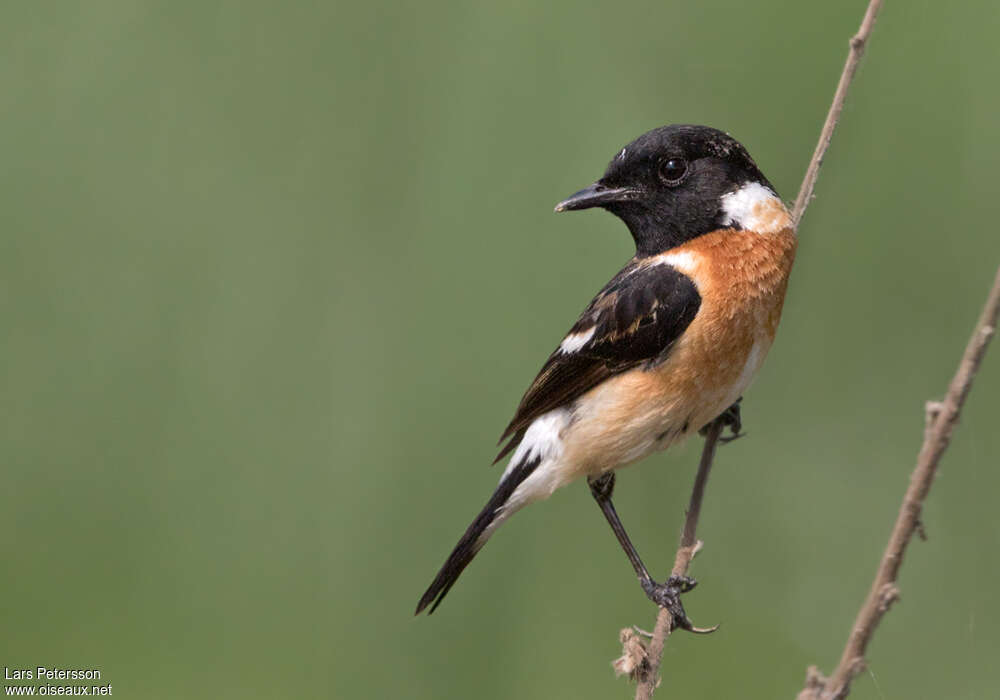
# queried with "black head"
point(668, 185)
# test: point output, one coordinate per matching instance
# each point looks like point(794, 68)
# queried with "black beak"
point(597, 195)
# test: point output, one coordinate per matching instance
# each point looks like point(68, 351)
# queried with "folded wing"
point(633, 321)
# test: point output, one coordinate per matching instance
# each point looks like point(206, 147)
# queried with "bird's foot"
point(668, 595)
point(730, 418)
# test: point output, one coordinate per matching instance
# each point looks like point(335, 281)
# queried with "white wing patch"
point(681, 260)
point(754, 207)
point(542, 439)
point(573, 342)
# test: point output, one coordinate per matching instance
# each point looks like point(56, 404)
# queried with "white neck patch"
point(755, 208)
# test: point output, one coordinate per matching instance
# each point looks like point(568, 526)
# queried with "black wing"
point(634, 320)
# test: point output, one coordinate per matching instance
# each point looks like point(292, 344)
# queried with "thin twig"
point(648, 672)
point(649, 675)
point(941, 418)
point(857, 44)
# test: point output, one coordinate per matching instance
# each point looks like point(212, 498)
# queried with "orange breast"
point(741, 277)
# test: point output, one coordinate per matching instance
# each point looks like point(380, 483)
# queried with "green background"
point(273, 277)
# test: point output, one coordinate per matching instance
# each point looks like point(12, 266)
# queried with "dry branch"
point(941, 420)
point(647, 672)
point(857, 50)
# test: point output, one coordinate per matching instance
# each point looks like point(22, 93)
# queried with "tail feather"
point(475, 536)
point(511, 445)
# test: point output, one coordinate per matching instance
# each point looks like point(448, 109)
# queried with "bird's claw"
point(730, 418)
point(668, 595)
point(729, 439)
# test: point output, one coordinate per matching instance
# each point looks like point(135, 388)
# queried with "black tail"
point(469, 545)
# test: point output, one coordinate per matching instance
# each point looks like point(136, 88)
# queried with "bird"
point(669, 345)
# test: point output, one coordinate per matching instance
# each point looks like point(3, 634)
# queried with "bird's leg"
point(730, 419)
point(666, 595)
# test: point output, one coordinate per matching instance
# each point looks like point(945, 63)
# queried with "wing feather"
point(634, 320)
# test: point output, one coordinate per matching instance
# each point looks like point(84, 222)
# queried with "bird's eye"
point(673, 170)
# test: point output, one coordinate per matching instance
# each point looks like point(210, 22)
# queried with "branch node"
point(814, 685)
point(933, 410)
point(858, 665)
point(888, 595)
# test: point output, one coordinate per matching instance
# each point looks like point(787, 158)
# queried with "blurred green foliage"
point(256, 256)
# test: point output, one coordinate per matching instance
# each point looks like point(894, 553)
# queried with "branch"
point(941, 420)
point(858, 42)
point(644, 662)
point(649, 673)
